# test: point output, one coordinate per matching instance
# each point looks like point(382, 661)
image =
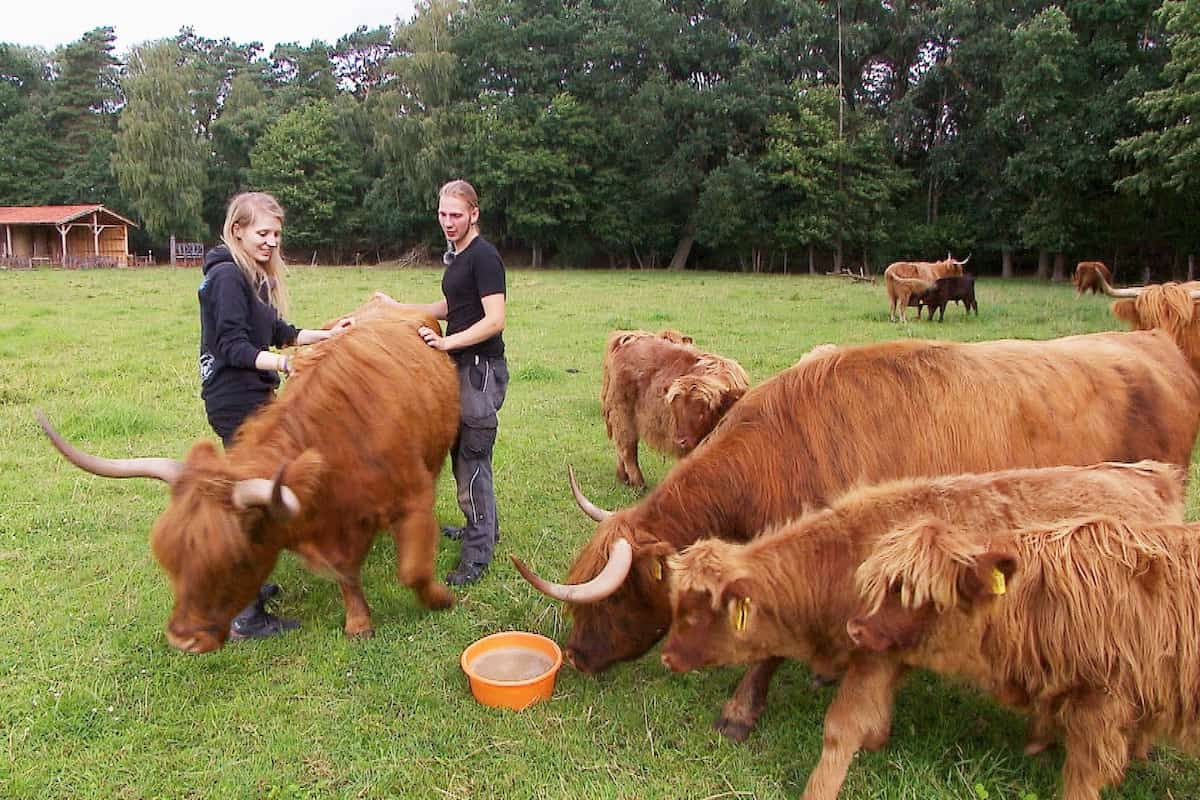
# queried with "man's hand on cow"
point(431, 338)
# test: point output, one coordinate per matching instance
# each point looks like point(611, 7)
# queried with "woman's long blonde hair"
point(241, 211)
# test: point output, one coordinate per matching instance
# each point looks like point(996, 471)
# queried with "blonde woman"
point(242, 300)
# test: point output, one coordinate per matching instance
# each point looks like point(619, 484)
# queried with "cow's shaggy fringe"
point(923, 560)
point(713, 379)
point(1101, 611)
point(1166, 307)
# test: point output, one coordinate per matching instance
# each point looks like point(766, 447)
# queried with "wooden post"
point(62, 234)
point(172, 249)
point(95, 235)
point(8, 239)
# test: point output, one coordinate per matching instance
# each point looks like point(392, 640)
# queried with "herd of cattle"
point(1029, 538)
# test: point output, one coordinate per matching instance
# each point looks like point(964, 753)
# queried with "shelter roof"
point(53, 215)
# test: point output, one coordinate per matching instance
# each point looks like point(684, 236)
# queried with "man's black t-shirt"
point(475, 273)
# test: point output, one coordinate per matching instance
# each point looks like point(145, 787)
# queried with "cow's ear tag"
point(656, 569)
point(739, 612)
point(998, 583)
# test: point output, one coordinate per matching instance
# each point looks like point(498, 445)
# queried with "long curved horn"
point(280, 501)
point(962, 263)
point(620, 559)
point(587, 506)
point(165, 469)
point(1128, 291)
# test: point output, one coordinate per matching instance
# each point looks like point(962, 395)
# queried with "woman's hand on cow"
point(341, 326)
point(431, 338)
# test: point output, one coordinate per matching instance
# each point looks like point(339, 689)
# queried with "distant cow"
point(353, 445)
point(790, 592)
point(906, 278)
point(1089, 624)
point(958, 287)
point(661, 389)
point(1169, 307)
point(1088, 275)
point(864, 414)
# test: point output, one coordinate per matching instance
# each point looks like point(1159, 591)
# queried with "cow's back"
point(379, 406)
point(908, 408)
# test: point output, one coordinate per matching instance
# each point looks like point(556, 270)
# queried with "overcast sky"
point(28, 22)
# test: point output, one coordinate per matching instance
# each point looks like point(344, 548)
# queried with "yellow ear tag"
point(739, 613)
point(998, 586)
point(657, 569)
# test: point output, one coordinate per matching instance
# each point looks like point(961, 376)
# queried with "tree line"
point(769, 135)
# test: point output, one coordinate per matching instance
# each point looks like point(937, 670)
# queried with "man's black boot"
point(466, 572)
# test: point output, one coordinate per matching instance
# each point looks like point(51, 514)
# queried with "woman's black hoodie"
point(236, 324)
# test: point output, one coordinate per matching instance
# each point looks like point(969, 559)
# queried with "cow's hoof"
point(360, 633)
point(1036, 746)
point(730, 728)
point(437, 597)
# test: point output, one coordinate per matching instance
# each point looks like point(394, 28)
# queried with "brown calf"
point(1090, 624)
point(661, 389)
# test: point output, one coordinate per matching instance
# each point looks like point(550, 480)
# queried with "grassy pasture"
point(93, 702)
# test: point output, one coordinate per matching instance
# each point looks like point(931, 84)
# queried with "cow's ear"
point(726, 402)
point(1125, 310)
point(988, 578)
point(656, 556)
point(303, 475)
point(201, 453)
point(738, 598)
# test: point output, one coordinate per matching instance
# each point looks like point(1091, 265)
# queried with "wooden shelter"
point(71, 236)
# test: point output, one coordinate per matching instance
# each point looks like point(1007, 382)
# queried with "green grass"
point(93, 703)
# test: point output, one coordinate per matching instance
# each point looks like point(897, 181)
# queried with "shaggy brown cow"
point(807, 435)
point(1090, 276)
point(1170, 307)
point(662, 390)
point(355, 444)
point(790, 593)
point(906, 278)
point(1089, 624)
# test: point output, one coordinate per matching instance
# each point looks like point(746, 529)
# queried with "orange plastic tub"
point(512, 669)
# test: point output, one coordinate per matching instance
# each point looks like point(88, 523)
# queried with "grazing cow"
point(863, 415)
point(1090, 276)
point(354, 444)
point(958, 287)
point(1166, 306)
point(1088, 624)
point(790, 592)
point(906, 278)
point(661, 389)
